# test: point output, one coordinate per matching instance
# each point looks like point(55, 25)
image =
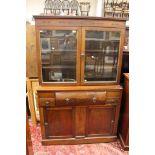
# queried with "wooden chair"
point(84, 8)
point(108, 11)
point(48, 6)
point(117, 9)
point(57, 7)
point(125, 9)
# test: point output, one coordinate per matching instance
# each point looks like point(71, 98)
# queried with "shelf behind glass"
point(101, 55)
point(58, 55)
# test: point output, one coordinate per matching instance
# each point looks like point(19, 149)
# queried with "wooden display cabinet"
point(79, 65)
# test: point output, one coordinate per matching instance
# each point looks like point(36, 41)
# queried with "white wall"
point(34, 7)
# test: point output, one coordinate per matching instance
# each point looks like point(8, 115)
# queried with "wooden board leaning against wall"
point(31, 63)
point(32, 85)
point(31, 72)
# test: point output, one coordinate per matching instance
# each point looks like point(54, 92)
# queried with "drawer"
point(47, 102)
point(47, 94)
point(113, 100)
point(80, 98)
point(114, 94)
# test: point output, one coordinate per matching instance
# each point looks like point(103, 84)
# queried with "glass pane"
point(58, 55)
point(101, 50)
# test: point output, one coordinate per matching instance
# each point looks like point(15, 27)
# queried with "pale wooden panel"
point(31, 101)
point(31, 61)
point(35, 84)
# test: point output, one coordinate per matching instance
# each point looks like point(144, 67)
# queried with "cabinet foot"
point(125, 147)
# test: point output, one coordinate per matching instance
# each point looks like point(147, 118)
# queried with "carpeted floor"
point(113, 148)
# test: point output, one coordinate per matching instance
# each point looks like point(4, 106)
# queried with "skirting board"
point(73, 141)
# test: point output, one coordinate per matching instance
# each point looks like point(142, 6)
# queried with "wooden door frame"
point(119, 64)
point(78, 66)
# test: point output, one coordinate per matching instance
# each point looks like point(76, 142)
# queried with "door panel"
point(59, 55)
point(99, 57)
point(100, 120)
point(59, 122)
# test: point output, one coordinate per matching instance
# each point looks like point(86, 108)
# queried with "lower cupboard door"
point(59, 122)
point(100, 120)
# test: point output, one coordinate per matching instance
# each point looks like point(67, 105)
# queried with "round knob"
point(47, 103)
point(67, 100)
point(45, 123)
point(94, 99)
point(112, 121)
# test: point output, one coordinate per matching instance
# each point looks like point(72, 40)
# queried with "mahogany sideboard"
point(79, 66)
point(124, 115)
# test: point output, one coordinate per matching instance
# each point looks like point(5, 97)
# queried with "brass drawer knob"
point(67, 100)
point(112, 121)
point(46, 124)
point(112, 100)
point(94, 99)
point(46, 103)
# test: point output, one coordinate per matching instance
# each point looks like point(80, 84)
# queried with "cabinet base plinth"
point(73, 141)
point(125, 147)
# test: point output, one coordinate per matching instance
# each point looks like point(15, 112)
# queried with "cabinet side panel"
point(120, 55)
point(117, 115)
point(42, 113)
point(38, 54)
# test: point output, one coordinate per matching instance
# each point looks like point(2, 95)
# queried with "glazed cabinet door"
point(101, 55)
point(59, 55)
point(59, 122)
point(100, 120)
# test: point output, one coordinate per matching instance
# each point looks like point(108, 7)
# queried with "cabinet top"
point(79, 17)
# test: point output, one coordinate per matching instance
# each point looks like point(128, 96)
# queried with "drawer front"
point(113, 100)
point(80, 98)
point(114, 94)
point(47, 102)
point(113, 97)
point(47, 94)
